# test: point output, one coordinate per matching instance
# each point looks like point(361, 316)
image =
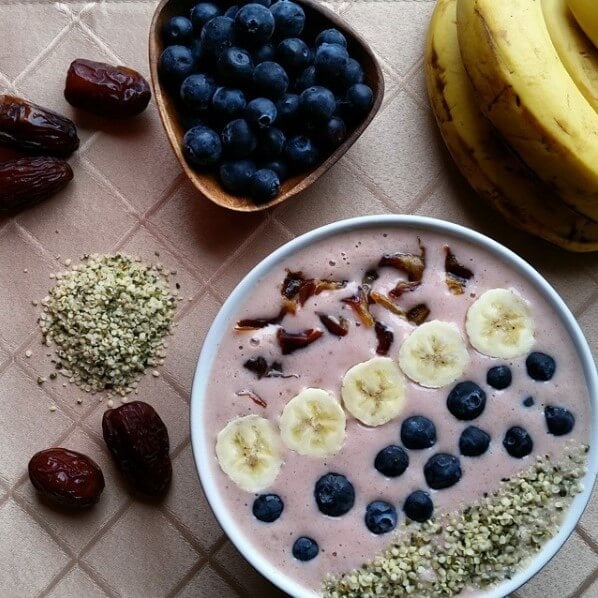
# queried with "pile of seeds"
point(108, 317)
point(484, 544)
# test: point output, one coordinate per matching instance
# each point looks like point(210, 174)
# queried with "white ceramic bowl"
point(203, 447)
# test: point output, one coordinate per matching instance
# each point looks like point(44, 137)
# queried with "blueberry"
point(330, 61)
point(189, 120)
point(334, 494)
point(270, 79)
point(418, 506)
point(540, 366)
point(466, 401)
point(380, 517)
point(197, 91)
point(201, 146)
point(528, 402)
point(176, 63)
point(236, 175)
point(287, 108)
point(279, 167)
point(353, 73)
point(331, 36)
point(238, 140)
point(317, 103)
point(294, 54)
point(228, 103)
point(260, 113)
point(301, 152)
point(336, 131)
point(264, 53)
point(306, 79)
point(235, 65)
point(202, 13)
point(289, 18)
point(264, 185)
point(442, 471)
point(265, 3)
point(418, 432)
point(560, 421)
point(267, 507)
point(499, 377)
point(305, 549)
point(231, 11)
point(517, 442)
point(473, 442)
point(254, 24)
point(270, 143)
point(177, 30)
point(361, 98)
point(217, 35)
point(392, 461)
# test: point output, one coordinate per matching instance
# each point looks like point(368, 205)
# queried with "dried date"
point(106, 90)
point(290, 342)
point(359, 303)
point(138, 440)
point(337, 326)
point(66, 477)
point(34, 129)
point(385, 337)
point(457, 275)
point(27, 181)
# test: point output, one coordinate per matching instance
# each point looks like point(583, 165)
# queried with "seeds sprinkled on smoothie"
point(108, 318)
point(482, 545)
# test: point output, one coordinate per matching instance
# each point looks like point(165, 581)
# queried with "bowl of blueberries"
point(259, 99)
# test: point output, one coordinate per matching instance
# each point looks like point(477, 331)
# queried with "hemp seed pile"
point(108, 317)
point(484, 544)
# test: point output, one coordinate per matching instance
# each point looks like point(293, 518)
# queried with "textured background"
point(129, 194)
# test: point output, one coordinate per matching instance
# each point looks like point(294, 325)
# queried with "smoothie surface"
point(345, 542)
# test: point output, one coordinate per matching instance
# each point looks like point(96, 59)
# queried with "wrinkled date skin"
point(138, 441)
point(34, 129)
point(106, 90)
point(27, 181)
point(66, 477)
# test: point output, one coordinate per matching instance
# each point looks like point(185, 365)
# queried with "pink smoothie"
point(345, 543)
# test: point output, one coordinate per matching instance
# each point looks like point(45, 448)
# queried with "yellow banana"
point(586, 13)
point(491, 169)
point(576, 51)
point(527, 94)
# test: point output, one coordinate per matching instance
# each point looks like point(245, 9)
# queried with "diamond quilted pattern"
point(24, 573)
point(32, 46)
point(129, 195)
point(22, 416)
point(152, 564)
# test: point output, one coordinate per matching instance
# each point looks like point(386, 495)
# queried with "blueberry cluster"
point(334, 493)
point(260, 100)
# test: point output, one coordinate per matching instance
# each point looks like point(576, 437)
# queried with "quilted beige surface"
point(129, 194)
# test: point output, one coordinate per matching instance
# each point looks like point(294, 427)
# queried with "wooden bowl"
point(317, 18)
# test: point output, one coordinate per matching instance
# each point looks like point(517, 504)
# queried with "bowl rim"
point(308, 178)
point(228, 309)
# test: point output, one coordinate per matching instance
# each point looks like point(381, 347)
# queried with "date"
point(138, 441)
point(106, 90)
point(66, 477)
point(27, 181)
point(34, 129)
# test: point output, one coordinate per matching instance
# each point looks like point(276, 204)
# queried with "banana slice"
point(500, 324)
point(249, 452)
point(434, 354)
point(374, 391)
point(313, 423)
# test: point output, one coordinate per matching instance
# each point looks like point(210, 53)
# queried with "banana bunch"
point(514, 88)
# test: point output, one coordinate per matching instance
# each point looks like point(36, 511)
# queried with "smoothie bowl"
point(395, 405)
